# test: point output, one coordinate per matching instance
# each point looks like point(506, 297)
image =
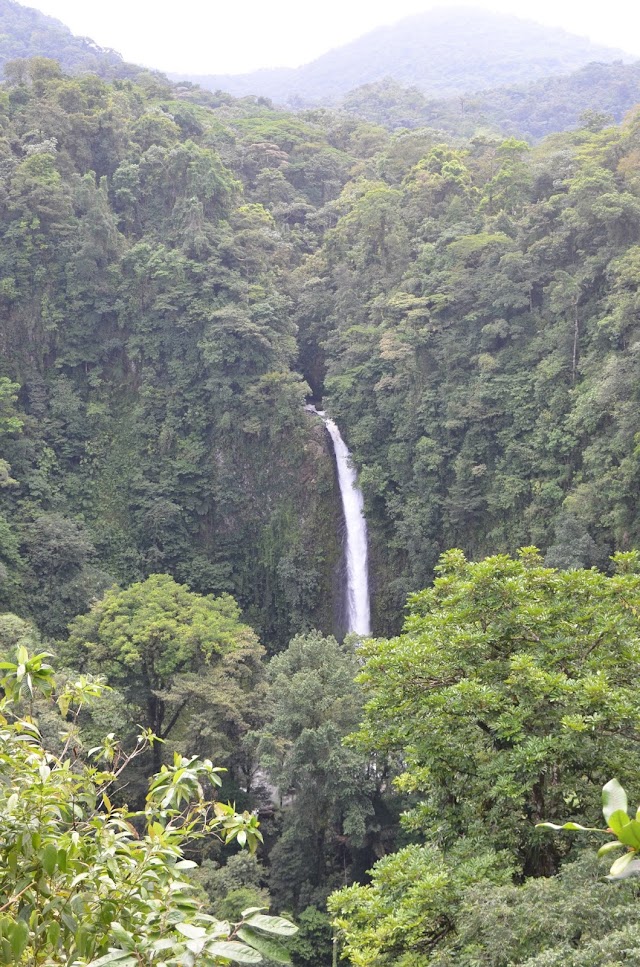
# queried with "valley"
point(319, 465)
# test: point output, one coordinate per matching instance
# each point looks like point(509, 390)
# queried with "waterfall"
point(358, 608)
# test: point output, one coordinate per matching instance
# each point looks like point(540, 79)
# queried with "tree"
point(459, 907)
point(164, 647)
point(510, 691)
point(411, 905)
point(331, 791)
point(573, 918)
point(573, 546)
point(10, 423)
point(62, 578)
point(235, 886)
point(83, 882)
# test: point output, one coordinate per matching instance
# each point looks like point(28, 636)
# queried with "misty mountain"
point(442, 52)
point(25, 32)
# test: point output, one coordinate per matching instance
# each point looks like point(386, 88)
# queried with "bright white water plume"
point(358, 606)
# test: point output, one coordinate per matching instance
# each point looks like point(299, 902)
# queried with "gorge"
point(181, 272)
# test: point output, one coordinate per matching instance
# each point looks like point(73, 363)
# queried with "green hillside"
point(476, 304)
point(25, 32)
point(597, 94)
point(189, 743)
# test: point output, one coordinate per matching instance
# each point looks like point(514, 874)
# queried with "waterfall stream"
point(358, 606)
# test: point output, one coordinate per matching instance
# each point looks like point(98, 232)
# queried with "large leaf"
point(50, 858)
point(272, 925)
point(237, 952)
point(19, 939)
point(630, 834)
point(618, 820)
point(269, 947)
point(117, 932)
point(250, 910)
point(190, 930)
point(614, 799)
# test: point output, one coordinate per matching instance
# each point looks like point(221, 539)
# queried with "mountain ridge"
point(27, 32)
point(442, 52)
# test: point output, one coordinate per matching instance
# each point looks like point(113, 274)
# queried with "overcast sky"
point(223, 36)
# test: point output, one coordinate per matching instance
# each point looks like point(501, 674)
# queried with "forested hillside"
point(597, 94)
point(478, 324)
point(179, 272)
point(178, 276)
point(441, 52)
point(25, 32)
point(147, 321)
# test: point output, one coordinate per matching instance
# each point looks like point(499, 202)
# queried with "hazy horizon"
point(248, 37)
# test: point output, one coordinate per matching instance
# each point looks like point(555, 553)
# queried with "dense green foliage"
point(331, 829)
point(595, 95)
point(85, 883)
point(574, 918)
point(145, 318)
point(510, 693)
point(185, 665)
point(442, 51)
point(478, 324)
point(172, 262)
point(518, 674)
point(178, 272)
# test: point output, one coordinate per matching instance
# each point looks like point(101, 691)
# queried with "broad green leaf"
point(247, 913)
point(618, 820)
point(620, 864)
point(53, 933)
point(165, 943)
point(272, 924)
point(123, 937)
point(49, 858)
point(630, 834)
point(237, 952)
point(614, 799)
point(269, 947)
point(78, 879)
point(19, 939)
point(81, 938)
point(69, 922)
point(196, 946)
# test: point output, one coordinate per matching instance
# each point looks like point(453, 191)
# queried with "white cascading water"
point(358, 606)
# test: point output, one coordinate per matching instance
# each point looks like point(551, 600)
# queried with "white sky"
point(222, 36)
